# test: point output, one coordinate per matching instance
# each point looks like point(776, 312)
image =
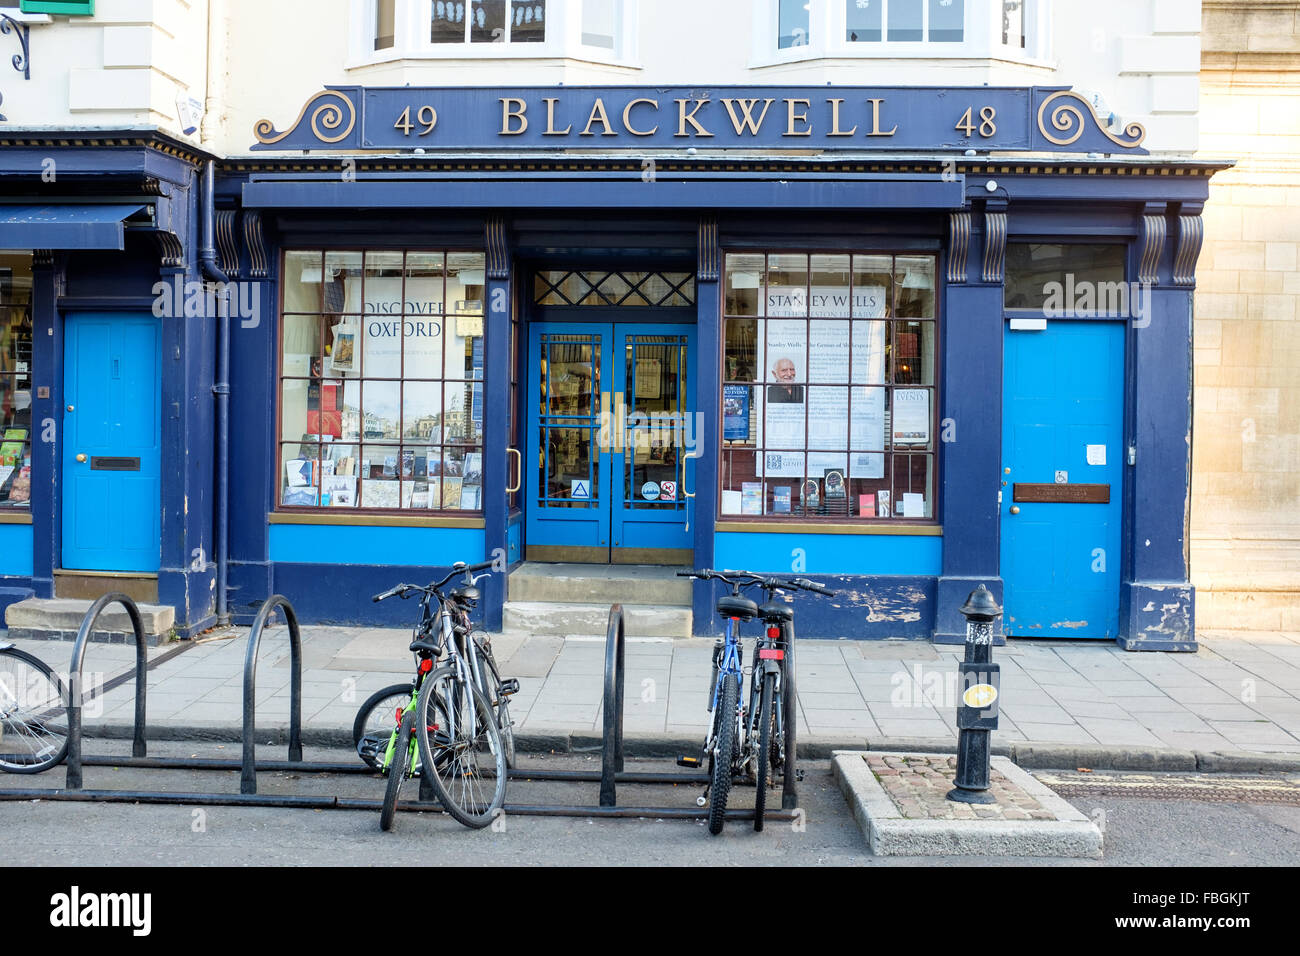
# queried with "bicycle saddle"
point(733, 605)
point(467, 595)
point(776, 612)
point(429, 644)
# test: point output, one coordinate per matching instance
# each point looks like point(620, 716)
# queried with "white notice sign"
point(1096, 454)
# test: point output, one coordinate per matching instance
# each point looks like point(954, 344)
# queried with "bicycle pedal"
point(508, 687)
point(798, 775)
point(694, 762)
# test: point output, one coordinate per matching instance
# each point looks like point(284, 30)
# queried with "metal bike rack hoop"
point(248, 764)
point(76, 692)
point(611, 757)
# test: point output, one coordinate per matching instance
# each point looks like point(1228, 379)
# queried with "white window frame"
point(982, 36)
point(411, 40)
point(16, 14)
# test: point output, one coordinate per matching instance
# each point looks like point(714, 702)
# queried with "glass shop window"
point(1065, 280)
point(15, 380)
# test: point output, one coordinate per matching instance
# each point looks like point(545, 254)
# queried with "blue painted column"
point(970, 431)
point(1156, 598)
point(708, 389)
point(48, 283)
point(187, 574)
point(496, 418)
point(254, 452)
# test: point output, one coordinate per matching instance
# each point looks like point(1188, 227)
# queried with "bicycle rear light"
point(773, 631)
point(771, 654)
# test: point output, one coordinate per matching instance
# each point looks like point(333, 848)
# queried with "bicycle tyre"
point(761, 769)
point(724, 750)
point(33, 714)
point(375, 722)
point(455, 760)
point(397, 771)
point(490, 684)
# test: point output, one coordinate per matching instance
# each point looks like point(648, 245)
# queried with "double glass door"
point(611, 440)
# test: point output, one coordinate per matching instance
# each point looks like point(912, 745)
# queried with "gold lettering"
point(507, 114)
point(792, 117)
point(598, 115)
point(550, 102)
point(684, 117)
point(627, 118)
point(875, 120)
point(835, 120)
point(748, 123)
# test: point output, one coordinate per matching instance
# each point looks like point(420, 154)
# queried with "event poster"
point(911, 416)
point(735, 412)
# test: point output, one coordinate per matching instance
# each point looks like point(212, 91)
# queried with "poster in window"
point(649, 375)
point(911, 416)
point(828, 417)
point(828, 351)
point(343, 355)
point(785, 425)
point(393, 315)
point(786, 354)
point(735, 412)
point(783, 464)
point(787, 300)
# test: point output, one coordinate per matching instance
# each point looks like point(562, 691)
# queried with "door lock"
point(81, 458)
point(71, 408)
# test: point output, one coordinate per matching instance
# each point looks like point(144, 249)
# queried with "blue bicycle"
point(747, 740)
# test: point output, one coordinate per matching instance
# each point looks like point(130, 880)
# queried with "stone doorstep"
point(559, 619)
point(60, 619)
point(96, 637)
point(890, 833)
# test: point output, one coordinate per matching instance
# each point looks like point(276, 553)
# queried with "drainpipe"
point(221, 388)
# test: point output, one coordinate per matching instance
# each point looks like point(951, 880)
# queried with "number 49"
point(426, 115)
point(986, 128)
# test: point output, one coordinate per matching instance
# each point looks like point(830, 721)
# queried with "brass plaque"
point(1079, 494)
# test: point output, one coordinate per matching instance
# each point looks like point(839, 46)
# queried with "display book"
point(400, 478)
point(15, 467)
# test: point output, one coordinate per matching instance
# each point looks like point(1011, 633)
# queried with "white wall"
point(124, 66)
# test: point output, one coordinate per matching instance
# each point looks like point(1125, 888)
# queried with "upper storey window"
point(789, 30)
point(594, 30)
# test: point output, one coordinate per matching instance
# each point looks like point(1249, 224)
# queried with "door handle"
point(81, 458)
point(1015, 509)
point(685, 493)
point(519, 475)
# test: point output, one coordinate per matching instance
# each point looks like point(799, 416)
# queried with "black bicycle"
point(748, 741)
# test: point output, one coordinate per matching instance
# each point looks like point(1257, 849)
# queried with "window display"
point(15, 380)
point(381, 392)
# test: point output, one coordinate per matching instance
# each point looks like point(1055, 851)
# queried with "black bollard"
point(977, 710)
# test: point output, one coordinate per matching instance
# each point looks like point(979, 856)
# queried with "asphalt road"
point(1139, 830)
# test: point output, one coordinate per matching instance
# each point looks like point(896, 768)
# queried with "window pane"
point(828, 352)
point(905, 20)
point(301, 281)
point(463, 413)
point(1068, 280)
point(862, 19)
point(385, 18)
point(793, 17)
point(741, 353)
point(915, 286)
point(341, 290)
point(602, 24)
point(448, 21)
point(300, 475)
point(15, 381)
point(302, 346)
point(381, 410)
point(913, 353)
point(488, 21)
point(744, 284)
point(422, 411)
point(947, 21)
point(872, 286)
point(528, 21)
point(787, 285)
point(830, 286)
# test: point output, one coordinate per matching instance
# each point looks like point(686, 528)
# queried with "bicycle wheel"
point(724, 751)
point(766, 718)
point(398, 770)
point(375, 721)
point(33, 714)
point(460, 747)
point(490, 683)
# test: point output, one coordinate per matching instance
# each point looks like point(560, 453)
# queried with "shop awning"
point(64, 227)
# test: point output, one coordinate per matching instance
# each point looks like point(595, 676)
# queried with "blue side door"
point(1062, 475)
point(112, 433)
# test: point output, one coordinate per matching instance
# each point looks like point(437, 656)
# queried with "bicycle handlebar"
point(746, 579)
point(458, 568)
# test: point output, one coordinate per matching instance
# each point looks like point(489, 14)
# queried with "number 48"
point(986, 128)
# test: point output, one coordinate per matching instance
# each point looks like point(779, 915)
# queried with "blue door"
point(611, 437)
point(1062, 475)
point(112, 430)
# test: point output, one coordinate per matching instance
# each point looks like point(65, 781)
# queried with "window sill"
point(829, 527)
point(374, 519)
point(911, 52)
point(486, 54)
point(15, 517)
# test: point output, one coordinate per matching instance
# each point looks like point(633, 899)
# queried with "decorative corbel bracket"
point(256, 244)
point(995, 244)
point(1154, 231)
point(227, 242)
point(498, 253)
point(1191, 234)
point(958, 245)
point(709, 267)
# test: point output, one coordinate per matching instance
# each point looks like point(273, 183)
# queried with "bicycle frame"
point(730, 663)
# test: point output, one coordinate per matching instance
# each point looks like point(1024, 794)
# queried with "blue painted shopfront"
point(907, 580)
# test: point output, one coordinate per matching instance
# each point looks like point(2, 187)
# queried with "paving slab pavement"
point(1232, 703)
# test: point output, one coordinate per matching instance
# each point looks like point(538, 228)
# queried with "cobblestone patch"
point(918, 785)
